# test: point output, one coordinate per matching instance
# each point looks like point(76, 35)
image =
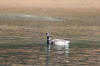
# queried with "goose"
point(58, 44)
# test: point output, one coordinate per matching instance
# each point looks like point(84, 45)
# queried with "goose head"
point(47, 34)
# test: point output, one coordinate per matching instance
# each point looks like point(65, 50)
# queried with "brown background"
point(93, 4)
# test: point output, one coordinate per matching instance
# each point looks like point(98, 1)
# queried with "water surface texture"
point(27, 17)
point(36, 56)
point(23, 40)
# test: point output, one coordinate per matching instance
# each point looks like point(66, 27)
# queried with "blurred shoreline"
point(67, 5)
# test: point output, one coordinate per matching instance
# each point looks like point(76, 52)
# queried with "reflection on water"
point(61, 49)
point(58, 52)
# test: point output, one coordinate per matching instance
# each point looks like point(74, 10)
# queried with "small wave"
point(29, 17)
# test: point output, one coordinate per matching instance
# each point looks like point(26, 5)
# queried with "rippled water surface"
point(19, 48)
point(37, 56)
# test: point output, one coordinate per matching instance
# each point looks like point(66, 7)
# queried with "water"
point(27, 17)
point(80, 54)
point(36, 56)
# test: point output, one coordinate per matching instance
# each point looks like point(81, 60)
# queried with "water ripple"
point(28, 17)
